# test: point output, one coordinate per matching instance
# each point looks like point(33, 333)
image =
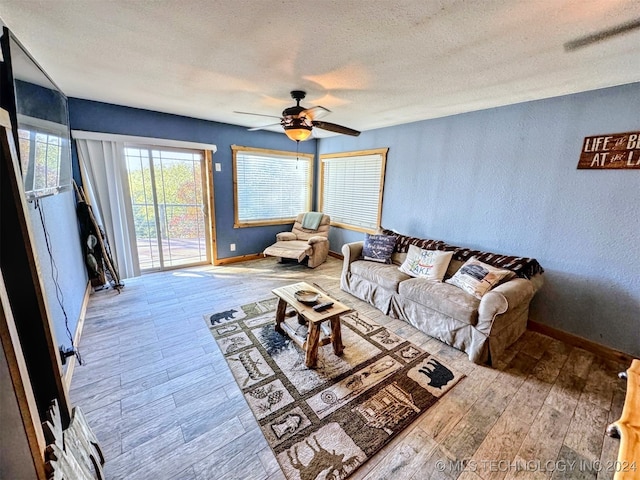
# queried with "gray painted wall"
point(505, 180)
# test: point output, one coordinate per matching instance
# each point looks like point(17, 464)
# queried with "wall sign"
point(613, 150)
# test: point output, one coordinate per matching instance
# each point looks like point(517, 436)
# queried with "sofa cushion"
point(385, 275)
point(477, 278)
point(441, 297)
point(429, 264)
point(378, 248)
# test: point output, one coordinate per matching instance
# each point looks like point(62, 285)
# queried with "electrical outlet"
point(65, 352)
point(232, 247)
point(218, 167)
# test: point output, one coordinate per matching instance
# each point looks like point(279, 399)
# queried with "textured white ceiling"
point(374, 63)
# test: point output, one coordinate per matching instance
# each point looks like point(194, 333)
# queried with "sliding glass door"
point(168, 203)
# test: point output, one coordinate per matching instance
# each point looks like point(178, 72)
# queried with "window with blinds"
point(270, 186)
point(351, 188)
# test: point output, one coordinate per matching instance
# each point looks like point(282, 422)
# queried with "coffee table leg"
point(280, 310)
point(336, 336)
point(313, 337)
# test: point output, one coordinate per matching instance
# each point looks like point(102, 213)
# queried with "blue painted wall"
point(505, 180)
point(502, 180)
point(107, 118)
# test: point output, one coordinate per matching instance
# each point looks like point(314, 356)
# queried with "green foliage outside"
point(179, 192)
point(45, 151)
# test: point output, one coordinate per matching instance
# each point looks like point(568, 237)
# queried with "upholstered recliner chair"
point(309, 238)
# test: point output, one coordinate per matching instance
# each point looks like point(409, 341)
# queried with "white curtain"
point(106, 186)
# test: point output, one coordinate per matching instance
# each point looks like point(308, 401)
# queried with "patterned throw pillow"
point(378, 248)
point(429, 264)
point(478, 278)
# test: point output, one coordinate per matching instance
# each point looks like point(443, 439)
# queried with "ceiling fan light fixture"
point(298, 133)
point(298, 121)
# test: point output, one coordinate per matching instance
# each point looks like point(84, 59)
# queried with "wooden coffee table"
point(314, 319)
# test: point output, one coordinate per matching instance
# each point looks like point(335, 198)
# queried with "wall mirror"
point(42, 118)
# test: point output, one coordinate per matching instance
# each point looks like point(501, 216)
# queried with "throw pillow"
point(477, 278)
point(378, 248)
point(429, 264)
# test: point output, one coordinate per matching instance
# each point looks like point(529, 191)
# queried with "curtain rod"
point(163, 142)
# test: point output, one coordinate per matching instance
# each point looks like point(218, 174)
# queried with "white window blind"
point(352, 185)
point(270, 186)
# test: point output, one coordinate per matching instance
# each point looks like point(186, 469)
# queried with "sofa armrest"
point(319, 251)
point(502, 299)
point(317, 239)
point(537, 281)
point(352, 251)
point(283, 236)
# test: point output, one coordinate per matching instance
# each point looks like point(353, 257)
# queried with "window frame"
point(205, 166)
point(265, 152)
point(345, 156)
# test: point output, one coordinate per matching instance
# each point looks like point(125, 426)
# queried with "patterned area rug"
point(324, 423)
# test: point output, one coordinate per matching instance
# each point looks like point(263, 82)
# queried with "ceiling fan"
point(298, 121)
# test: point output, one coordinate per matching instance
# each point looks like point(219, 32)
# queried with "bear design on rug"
point(226, 315)
point(439, 375)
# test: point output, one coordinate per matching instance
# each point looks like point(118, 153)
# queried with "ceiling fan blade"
point(602, 35)
point(263, 127)
point(258, 114)
point(332, 127)
point(316, 112)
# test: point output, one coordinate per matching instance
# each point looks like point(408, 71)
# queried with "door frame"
point(207, 199)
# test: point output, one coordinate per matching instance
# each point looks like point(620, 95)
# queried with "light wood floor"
point(160, 398)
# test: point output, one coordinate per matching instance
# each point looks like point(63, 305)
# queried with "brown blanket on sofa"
point(521, 266)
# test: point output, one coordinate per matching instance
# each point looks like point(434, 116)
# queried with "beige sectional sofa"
point(483, 328)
